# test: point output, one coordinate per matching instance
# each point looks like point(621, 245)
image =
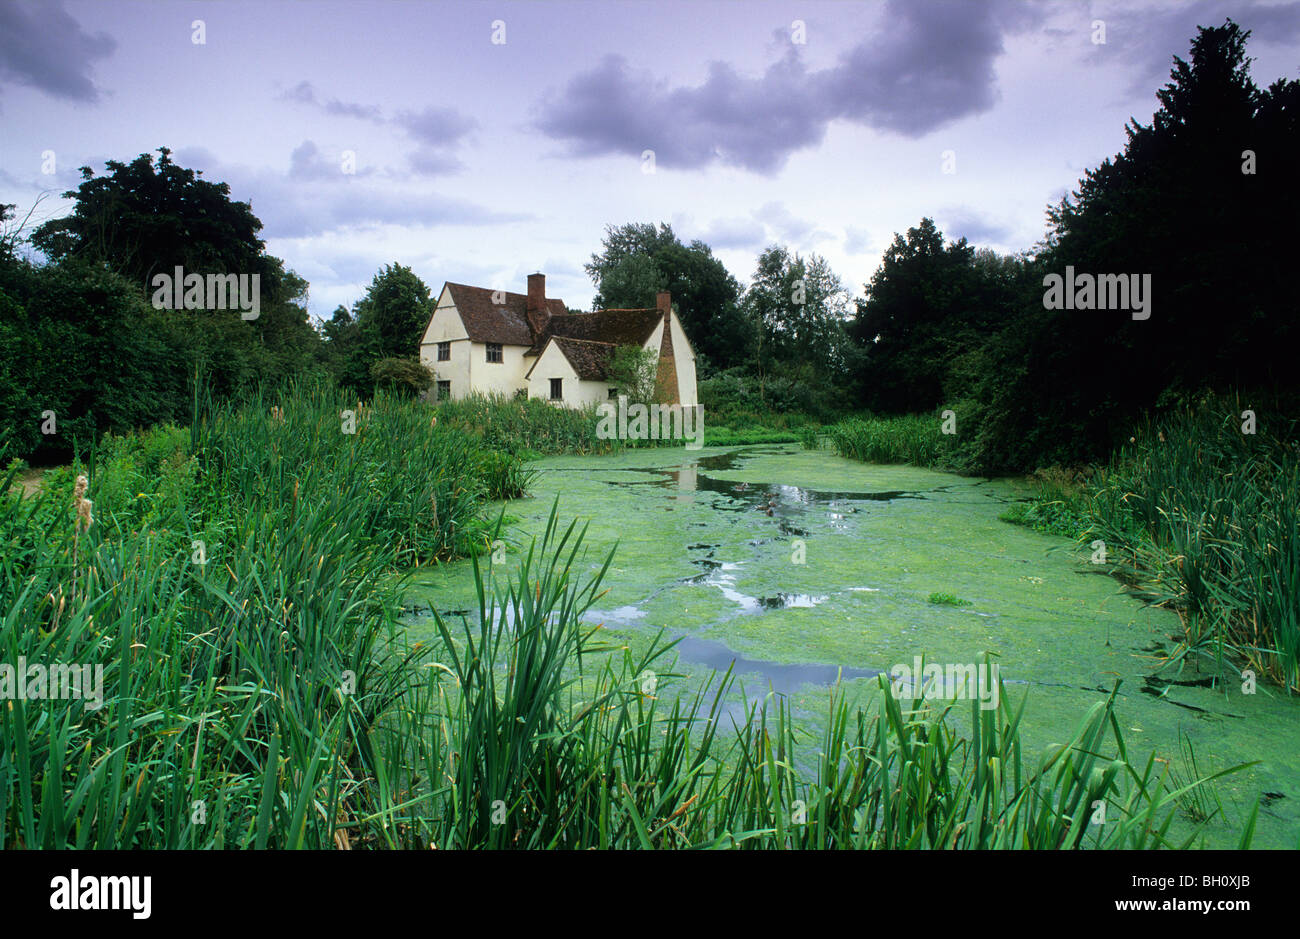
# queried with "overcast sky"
point(479, 161)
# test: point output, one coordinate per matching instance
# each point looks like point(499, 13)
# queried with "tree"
point(638, 260)
point(797, 308)
point(144, 218)
point(906, 323)
point(633, 369)
point(394, 313)
point(141, 219)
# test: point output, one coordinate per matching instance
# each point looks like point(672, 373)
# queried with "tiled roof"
point(589, 359)
point(586, 339)
point(506, 322)
point(619, 327)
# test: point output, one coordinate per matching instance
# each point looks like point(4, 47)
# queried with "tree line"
point(1197, 203)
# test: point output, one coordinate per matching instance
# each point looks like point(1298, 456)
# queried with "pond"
point(801, 567)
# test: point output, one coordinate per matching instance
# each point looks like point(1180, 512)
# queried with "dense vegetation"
point(1206, 521)
point(236, 583)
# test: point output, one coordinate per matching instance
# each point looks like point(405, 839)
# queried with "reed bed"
point(914, 438)
point(526, 425)
point(1206, 519)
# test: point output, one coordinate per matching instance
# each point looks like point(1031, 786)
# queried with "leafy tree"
point(906, 322)
point(638, 260)
point(146, 218)
point(143, 219)
point(632, 369)
point(798, 307)
point(1222, 310)
point(394, 313)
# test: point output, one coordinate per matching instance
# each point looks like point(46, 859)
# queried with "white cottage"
point(485, 341)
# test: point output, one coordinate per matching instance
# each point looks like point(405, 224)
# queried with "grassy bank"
point(531, 426)
point(916, 439)
point(231, 586)
point(1205, 519)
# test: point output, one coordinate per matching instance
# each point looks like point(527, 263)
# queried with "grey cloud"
point(42, 46)
point(436, 130)
point(789, 227)
point(734, 233)
point(436, 126)
point(963, 222)
point(856, 240)
point(303, 206)
point(428, 161)
point(304, 93)
point(931, 63)
point(1146, 39)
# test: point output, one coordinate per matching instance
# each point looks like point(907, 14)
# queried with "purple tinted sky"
point(480, 162)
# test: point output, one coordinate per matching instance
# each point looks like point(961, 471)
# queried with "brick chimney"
point(538, 312)
point(666, 388)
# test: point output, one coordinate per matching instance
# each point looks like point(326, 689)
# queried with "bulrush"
point(82, 505)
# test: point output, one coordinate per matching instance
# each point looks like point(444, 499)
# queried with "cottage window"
point(444, 390)
point(444, 351)
point(494, 352)
point(557, 389)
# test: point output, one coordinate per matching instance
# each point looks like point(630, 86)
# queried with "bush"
point(402, 375)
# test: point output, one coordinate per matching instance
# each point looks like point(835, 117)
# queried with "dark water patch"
point(1159, 688)
point(780, 677)
point(688, 478)
point(784, 601)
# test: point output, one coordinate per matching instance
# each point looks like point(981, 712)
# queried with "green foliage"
point(1207, 518)
point(798, 307)
point(810, 437)
point(947, 599)
point(632, 369)
point(80, 337)
point(942, 323)
point(394, 313)
point(914, 439)
point(405, 375)
point(525, 426)
point(638, 260)
point(140, 219)
point(270, 690)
